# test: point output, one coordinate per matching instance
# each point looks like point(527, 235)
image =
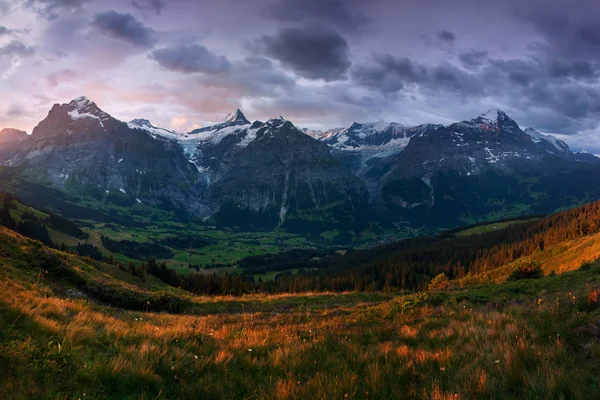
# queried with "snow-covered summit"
point(538, 137)
point(83, 108)
point(155, 131)
point(493, 115)
point(234, 121)
point(236, 118)
point(372, 134)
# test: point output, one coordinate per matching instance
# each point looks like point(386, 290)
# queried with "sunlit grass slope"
point(62, 336)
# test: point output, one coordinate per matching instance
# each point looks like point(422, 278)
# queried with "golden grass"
point(539, 345)
point(452, 352)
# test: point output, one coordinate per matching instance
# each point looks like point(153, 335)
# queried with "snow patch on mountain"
point(492, 115)
point(76, 115)
point(154, 131)
point(538, 137)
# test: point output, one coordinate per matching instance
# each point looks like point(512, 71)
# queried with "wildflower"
point(196, 357)
point(250, 350)
point(497, 361)
point(172, 368)
point(442, 369)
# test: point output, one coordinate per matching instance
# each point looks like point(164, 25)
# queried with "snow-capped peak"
point(493, 114)
point(142, 123)
point(83, 108)
point(147, 126)
point(237, 118)
point(538, 137)
point(276, 121)
point(81, 102)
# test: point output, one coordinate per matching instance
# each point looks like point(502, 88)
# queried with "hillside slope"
point(526, 339)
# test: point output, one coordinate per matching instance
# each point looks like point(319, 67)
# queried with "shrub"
point(526, 268)
point(440, 282)
point(593, 299)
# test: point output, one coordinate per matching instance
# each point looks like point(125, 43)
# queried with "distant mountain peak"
point(538, 137)
point(81, 101)
point(493, 114)
point(82, 107)
point(154, 131)
point(236, 118)
point(278, 122)
point(142, 122)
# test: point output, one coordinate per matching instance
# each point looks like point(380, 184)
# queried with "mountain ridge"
point(397, 174)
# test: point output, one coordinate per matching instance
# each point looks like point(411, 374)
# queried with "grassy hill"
point(75, 328)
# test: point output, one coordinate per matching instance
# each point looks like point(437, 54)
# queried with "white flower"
point(196, 357)
point(249, 349)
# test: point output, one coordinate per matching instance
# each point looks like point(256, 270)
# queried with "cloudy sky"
point(320, 63)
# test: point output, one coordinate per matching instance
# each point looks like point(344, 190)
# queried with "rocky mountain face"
point(274, 175)
point(467, 171)
point(84, 151)
point(286, 178)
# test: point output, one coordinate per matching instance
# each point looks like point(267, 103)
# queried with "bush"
point(526, 268)
point(593, 299)
point(440, 282)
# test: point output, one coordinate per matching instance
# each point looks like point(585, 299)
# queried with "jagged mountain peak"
point(538, 137)
point(154, 131)
point(81, 101)
point(79, 115)
point(142, 122)
point(493, 114)
point(277, 126)
point(83, 107)
point(236, 118)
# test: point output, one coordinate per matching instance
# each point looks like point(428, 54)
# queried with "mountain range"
point(273, 175)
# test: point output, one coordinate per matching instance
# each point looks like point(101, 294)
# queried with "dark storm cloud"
point(124, 27)
point(343, 14)
point(312, 52)
point(388, 73)
point(190, 59)
point(570, 31)
point(574, 101)
point(576, 69)
point(473, 59)
point(516, 71)
point(16, 48)
point(253, 76)
point(446, 36)
point(391, 74)
point(50, 9)
point(155, 6)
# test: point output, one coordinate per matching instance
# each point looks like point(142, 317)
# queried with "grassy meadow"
point(61, 338)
